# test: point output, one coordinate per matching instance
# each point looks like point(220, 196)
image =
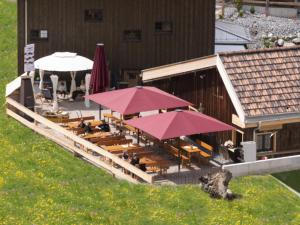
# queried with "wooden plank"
point(146, 177)
point(271, 127)
point(236, 121)
point(178, 68)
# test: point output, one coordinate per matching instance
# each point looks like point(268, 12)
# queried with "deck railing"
point(116, 165)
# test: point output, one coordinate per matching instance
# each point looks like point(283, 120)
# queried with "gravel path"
point(261, 26)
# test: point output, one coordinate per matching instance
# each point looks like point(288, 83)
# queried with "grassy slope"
point(40, 183)
point(291, 178)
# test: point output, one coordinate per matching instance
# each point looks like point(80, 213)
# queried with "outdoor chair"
point(47, 95)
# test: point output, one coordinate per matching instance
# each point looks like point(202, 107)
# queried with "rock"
point(270, 35)
point(280, 42)
point(296, 41)
point(288, 44)
point(216, 184)
point(259, 24)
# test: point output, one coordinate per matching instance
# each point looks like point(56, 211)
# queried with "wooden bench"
point(115, 142)
point(207, 147)
point(113, 119)
point(79, 131)
point(64, 121)
point(175, 152)
point(130, 129)
point(99, 139)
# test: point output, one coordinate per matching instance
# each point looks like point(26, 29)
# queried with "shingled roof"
point(266, 81)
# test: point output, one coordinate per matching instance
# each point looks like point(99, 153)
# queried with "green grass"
point(40, 183)
point(292, 179)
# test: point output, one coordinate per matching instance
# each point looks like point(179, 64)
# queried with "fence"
point(281, 3)
point(116, 165)
point(264, 166)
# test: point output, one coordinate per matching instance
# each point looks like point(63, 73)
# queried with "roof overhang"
point(266, 121)
point(163, 72)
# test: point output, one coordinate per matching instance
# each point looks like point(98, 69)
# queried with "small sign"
point(44, 34)
point(29, 58)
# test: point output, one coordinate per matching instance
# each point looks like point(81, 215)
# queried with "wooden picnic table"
point(189, 149)
point(154, 160)
point(94, 123)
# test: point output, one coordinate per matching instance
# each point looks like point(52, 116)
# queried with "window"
point(132, 35)
point(39, 35)
point(163, 27)
point(265, 142)
point(93, 15)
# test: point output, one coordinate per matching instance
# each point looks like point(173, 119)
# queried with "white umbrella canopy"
point(64, 62)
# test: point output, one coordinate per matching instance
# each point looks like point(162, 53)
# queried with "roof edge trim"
point(230, 89)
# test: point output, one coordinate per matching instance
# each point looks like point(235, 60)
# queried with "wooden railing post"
point(86, 144)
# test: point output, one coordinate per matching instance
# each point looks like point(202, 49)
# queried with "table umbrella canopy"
point(137, 99)
point(99, 79)
point(178, 123)
point(63, 62)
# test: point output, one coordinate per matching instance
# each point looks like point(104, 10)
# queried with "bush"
point(252, 9)
point(241, 13)
point(238, 4)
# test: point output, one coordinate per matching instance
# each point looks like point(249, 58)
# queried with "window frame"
point(272, 142)
point(93, 19)
point(137, 32)
point(161, 30)
point(38, 38)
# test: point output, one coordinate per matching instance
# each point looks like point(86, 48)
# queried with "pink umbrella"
point(178, 123)
point(99, 80)
point(137, 99)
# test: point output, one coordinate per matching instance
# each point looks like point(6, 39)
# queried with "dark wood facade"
point(191, 34)
point(203, 89)
point(207, 87)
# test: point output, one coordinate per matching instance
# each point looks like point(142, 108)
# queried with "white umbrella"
point(54, 79)
point(64, 62)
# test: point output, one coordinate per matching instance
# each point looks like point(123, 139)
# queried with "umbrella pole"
point(138, 136)
point(179, 154)
point(100, 109)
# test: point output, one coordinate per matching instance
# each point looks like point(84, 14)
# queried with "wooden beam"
point(189, 66)
point(280, 122)
point(264, 125)
point(144, 176)
point(271, 127)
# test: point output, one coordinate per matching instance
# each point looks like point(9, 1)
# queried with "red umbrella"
point(137, 99)
point(99, 80)
point(178, 123)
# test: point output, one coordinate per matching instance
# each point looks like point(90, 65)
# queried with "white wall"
point(264, 166)
point(280, 12)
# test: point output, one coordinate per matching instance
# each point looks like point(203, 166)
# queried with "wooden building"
point(257, 91)
point(137, 34)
